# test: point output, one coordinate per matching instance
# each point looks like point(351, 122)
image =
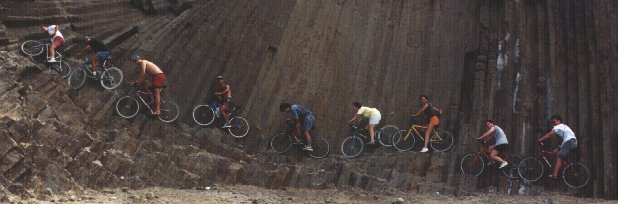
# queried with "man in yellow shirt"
point(365, 112)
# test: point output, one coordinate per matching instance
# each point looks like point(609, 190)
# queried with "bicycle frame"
point(540, 155)
point(415, 128)
point(88, 69)
point(57, 55)
point(217, 109)
point(141, 93)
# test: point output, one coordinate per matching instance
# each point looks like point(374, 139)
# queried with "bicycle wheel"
point(281, 142)
point(169, 111)
point(530, 169)
point(111, 78)
point(203, 115)
point(402, 142)
point(510, 171)
point(63, 68)
point(441, 141)
point(32, 48)
point(352, 147)
point(320, 146)
point(472, 164)
point(240, 127)
point(127, 107)
point(386, 135)
point(576, 175)
point(77, 78)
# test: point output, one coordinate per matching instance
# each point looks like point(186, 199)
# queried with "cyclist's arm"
point(421, 110)
point(356, 117)
point(227, 89)
point(142, 71)
point(546, 136)
point(491, 130)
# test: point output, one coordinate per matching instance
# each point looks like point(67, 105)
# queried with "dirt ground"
point(253, 194)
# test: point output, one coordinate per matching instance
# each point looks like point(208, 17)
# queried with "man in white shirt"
point(57, 40)
point(569, 142)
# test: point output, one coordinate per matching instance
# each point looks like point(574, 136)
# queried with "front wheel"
point(127, 107)
point(530, 169)
point(472, 164)
point(281, 142)
point(203, 115)
point(63, 68)
point(32, 48)
point(386, 135)
point(320, 146)
point(576, 175)
point(77, 78)
point(352, 146)
point(239, 127)
point(510, 171)
point(111, 78)
point(404, 140)
point(169, 111)
point(441, 141)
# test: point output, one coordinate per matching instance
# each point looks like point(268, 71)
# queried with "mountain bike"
point(205, 115)
point(474, 163)
point(37, 47)
point(110, 77)
point(439, 140)
point(128, 106)
point(355, 143)
point(574, 174)
point(281, 143)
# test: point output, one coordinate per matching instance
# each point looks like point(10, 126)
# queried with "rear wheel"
point(441, 141)
point(472, 164)
point(203, 115)
point(169, 111)
point(63, 68)
point(320, 147)
point(404, 140)
point(239, 127)
point(530, 169)
point(281, 142)
point(352, 146)
point(386, 135)
point(127, 107)
point(77, 78)
point(111, 78)
point(32, 47)
point(576, 175)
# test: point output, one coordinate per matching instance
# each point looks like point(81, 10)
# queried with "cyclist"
point(569, 142)
point(57, 40)
point(100, 50)
point(501, 145)
point(157, 75)
point(224, 96)
point(365, 112)
point(300, 114)
point(433, 118)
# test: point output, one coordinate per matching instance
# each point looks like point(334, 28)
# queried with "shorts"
point(501, 147)
point(566, 148)
point(158, 80)
point(102, 55)
point(57, 41)
point(374, 120)
point(434, 120)
point(308, 122)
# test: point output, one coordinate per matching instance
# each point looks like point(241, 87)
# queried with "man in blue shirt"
point(299, 115)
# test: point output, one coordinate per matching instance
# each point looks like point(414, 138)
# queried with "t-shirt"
point(500, 136)
point(564, 132)
point(98, 46)
point(298, 111)
point(367, 112)
point(51, 30)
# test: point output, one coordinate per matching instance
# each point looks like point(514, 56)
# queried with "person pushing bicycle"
point(569, 142)
point(372, 114)
point(99, 49)
point(300, 115)
point(158, 78)
point(224, 96)
point(56, 41)
point(433, 118)
point(501, 145)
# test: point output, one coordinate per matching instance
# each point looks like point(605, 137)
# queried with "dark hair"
point(423, 96)
point(357, 104)
point(489, 121)
point(556, 117)
point(284, 106)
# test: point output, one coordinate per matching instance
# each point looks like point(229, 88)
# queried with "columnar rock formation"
point(514, 61)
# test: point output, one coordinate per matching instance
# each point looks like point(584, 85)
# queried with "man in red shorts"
point(57, 40)
point(157, 79)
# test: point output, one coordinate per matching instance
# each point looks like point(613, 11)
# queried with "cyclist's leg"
point(224, 112)
point(563, 152)
point(307, 125)
point(157, 97)
point(373, 122)
point(495, 153)
point(433, 121)
point(56, 41)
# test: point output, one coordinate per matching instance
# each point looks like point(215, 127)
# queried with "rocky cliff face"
point(516, 62)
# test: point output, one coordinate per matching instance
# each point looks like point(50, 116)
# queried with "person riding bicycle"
point(569, 142)
point(501, 145)
point(57, 40)
point(223, 93)
point(300, 114)
point(100, 50)
point(433, 118)
point(157, 75)
point(372, 114)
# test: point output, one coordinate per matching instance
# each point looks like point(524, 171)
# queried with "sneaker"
point(308, 148)
point(94, 73)
point(51, 60)
point(227, 126)
point(371, 143)
point(424, 149)
point(552, 176)
point(503, 164)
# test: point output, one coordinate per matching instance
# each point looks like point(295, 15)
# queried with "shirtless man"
point(157, 76)
point(224, 95)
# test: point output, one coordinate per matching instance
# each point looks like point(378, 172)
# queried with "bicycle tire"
point(127, 107)
point(320, 146)
point(441, 142)
point(510, 171)
point(401, 143)
point(576, 175)
point(386, 136)
point(472, 164)
point(63, 68)
point(169, 111)
point(77, 78)
point(203, 115)
point(240, 127)
point(32, 48)
point(352, 147)
point(111, 78)
point(530, 169)
point(281, 142)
